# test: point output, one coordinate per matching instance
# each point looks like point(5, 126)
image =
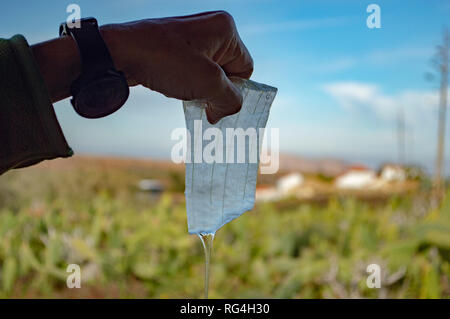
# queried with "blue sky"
point(340, 83)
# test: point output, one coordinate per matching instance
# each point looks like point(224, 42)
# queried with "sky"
point(340, 84)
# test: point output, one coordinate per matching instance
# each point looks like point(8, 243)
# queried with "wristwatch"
point(100, 89)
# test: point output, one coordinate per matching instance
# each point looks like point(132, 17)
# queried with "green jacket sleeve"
point(29, 129)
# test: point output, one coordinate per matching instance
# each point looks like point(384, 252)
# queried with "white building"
point(266, 194)
point(393, 173)
point(356, 177)
point(289, 182)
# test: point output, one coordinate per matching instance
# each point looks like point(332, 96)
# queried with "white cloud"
point(418, 106)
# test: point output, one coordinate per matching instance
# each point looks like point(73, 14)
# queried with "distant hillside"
point(325, 166)
point(288, 162)
point(111, 162)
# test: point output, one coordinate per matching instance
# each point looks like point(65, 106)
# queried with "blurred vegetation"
point(129, 246)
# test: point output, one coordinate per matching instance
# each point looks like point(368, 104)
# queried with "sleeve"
point(29, 129)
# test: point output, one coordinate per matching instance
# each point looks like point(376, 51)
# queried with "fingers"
point(193, 59)
point(233, 57)
point(224, 98)
point(242, 63)
point(215, 34)
point(228, 102)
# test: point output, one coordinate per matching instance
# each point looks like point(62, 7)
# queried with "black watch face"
point(101, 97)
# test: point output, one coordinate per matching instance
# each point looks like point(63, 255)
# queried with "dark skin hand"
point(188, 58)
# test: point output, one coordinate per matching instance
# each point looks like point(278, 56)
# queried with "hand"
point(186, 58)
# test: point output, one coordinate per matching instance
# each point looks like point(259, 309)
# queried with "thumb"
point(226, 100)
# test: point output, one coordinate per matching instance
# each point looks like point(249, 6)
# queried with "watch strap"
point(94, 53)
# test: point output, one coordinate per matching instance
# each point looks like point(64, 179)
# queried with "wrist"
point(59, 60)
point(59, 63)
